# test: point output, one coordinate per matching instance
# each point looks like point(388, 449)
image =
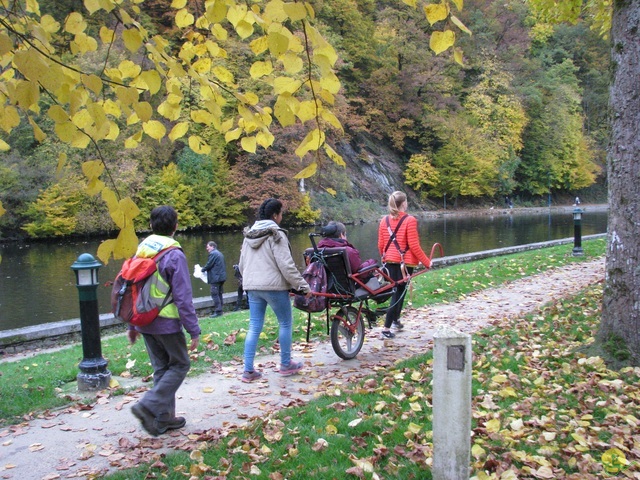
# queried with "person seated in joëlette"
point(335, 235)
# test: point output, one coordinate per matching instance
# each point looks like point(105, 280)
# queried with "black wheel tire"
point(347, 333)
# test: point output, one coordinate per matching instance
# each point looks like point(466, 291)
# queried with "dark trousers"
point(239, 296)
point(170, 361)
point(216, 296)
point(397, 299)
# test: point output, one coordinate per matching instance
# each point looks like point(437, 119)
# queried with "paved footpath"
point(92, 441)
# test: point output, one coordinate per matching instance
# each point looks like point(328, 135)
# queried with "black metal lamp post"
point(93, 368)
point(577, 232)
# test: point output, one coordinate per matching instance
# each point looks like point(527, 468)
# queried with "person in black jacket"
point(240, 294)
point(216, 276)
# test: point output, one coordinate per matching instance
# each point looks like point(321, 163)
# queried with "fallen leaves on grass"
point(547, 411)
point(542, 411)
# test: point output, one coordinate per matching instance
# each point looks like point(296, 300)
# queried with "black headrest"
point(329, 230)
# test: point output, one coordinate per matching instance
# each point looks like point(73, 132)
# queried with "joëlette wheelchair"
point(354, 296)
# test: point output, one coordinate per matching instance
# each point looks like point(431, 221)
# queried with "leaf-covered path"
point(89, 441)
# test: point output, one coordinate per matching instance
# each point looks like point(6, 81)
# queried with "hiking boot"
point(291, 369)
point(248, 377)
point(147, 420)
point(174, 424)
point(398, 325)
point(388, 334)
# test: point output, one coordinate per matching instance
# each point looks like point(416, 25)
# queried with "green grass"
point(541, 409)
point(39, 383)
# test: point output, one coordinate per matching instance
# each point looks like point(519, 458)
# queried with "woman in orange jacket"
point(400, 250)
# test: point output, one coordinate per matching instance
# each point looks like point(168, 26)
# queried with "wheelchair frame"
point(353, 296)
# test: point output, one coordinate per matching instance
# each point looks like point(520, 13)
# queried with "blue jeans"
point(280, 303)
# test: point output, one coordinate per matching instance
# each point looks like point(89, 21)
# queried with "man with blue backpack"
point(164, 337)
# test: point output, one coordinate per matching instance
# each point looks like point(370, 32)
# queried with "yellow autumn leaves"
point(441, 41)
point(147, 91)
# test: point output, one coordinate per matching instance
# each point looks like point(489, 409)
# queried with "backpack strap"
point(392, 236)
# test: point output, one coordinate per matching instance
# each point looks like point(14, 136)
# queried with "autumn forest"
point(522, 113)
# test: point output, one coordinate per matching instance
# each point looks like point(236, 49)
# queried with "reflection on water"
point(37, 284)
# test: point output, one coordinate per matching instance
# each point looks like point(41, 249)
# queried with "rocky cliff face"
point(375, 171)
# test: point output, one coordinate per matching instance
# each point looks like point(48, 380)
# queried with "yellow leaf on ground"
point(549, 436)
point(517, 425)
point(493, 426)
point(580, 439)
point(414, 428)
point(477, 451)
point(508, 392)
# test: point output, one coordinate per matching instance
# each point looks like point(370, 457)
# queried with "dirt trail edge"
point(105, 437)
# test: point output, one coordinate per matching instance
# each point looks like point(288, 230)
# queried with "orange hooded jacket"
point(408, 239)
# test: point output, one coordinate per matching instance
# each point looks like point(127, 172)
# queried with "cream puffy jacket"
point(266, 262)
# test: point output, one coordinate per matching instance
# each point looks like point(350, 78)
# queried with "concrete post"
point(451, 404)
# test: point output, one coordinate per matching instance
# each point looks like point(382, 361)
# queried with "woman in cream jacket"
point(269, 273)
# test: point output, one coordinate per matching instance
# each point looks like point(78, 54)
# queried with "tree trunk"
point(620, 324)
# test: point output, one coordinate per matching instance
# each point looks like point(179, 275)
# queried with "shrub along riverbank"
point(536, 429)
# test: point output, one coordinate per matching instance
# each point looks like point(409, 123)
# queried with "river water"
point(37, 284)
